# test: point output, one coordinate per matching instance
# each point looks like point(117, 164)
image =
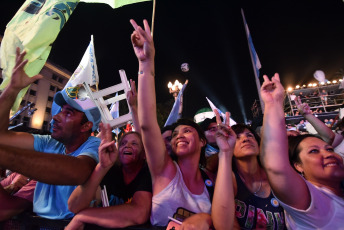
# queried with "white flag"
point(87, 70)
point(223, 115)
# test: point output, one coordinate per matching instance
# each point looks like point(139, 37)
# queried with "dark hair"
point(293, 148)
point(182, 121)
point(239, 128)
point(166, 128)
point(84, 120)
point(206, 122)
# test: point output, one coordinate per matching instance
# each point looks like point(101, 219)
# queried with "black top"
point(255, 212)
point(118, 192)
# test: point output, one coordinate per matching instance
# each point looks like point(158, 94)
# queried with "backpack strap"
point(208, 184)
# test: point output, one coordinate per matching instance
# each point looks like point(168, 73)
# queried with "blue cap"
point(69, 96)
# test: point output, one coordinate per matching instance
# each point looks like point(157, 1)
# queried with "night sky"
point(294, 38)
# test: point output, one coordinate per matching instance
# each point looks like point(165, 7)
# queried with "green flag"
point(34, 28)
point(114, 3)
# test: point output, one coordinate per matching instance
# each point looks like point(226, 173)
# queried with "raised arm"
point(325, 132)
point(158, 160)
point(47, 168)
point(132, 101)
point(222, 210)
point(85, 193)
point(274, 148)
point(18, 81)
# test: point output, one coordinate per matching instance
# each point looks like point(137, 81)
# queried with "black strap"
point(208, 184)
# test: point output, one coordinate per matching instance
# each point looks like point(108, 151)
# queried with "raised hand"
point(132, 95)
point(225, 136)
point(303, 108)
point(19, 78)
point(272, 91)
point(108, 152)
point(142, 41)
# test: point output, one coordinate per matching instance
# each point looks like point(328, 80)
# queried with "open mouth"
point(247, 146)
point(127, 153)
point(182, 143)
point(332, 164)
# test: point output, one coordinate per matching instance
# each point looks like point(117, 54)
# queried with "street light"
point(175, 88)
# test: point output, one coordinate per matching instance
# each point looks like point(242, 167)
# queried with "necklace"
point(260, 184)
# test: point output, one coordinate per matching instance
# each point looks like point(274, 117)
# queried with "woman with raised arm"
point(175, 184)
point(222, 210)
point(127, 184)
point(255, 204)
point(308, 183)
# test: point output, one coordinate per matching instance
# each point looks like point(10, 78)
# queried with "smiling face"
point(318, 161)
point(246, 145)
point(130, 149)
point(186, 141)
point(67, 124)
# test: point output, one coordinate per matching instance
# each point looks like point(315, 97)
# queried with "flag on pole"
point(115, 3)
point(34, 28)
point(254, 55)
point(87, 71)
point(175, 113)
point(223, 115)
point(254, 59)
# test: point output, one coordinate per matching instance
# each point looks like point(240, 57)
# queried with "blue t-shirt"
point(50, 201)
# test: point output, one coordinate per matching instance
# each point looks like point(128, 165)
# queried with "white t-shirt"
point(326, 211)
point(175, 195)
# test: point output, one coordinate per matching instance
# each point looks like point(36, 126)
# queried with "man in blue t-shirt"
point(73, 151)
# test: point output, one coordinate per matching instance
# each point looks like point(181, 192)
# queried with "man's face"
point(67, 124)
point(210, 133)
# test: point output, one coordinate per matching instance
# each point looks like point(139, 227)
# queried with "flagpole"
point(253, 65)
point(153, 17)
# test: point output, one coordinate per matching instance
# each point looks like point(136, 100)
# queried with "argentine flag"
point(253, 52)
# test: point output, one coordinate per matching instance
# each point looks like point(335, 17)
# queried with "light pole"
point(175, 88)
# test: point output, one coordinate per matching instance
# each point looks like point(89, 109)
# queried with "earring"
point(302, 174)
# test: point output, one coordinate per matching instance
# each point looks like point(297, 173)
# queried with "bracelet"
point(141, 72)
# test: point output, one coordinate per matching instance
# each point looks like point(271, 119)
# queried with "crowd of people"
point(202, 176)
point(320, 101)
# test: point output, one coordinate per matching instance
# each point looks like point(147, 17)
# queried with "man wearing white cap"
point(73, 151)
